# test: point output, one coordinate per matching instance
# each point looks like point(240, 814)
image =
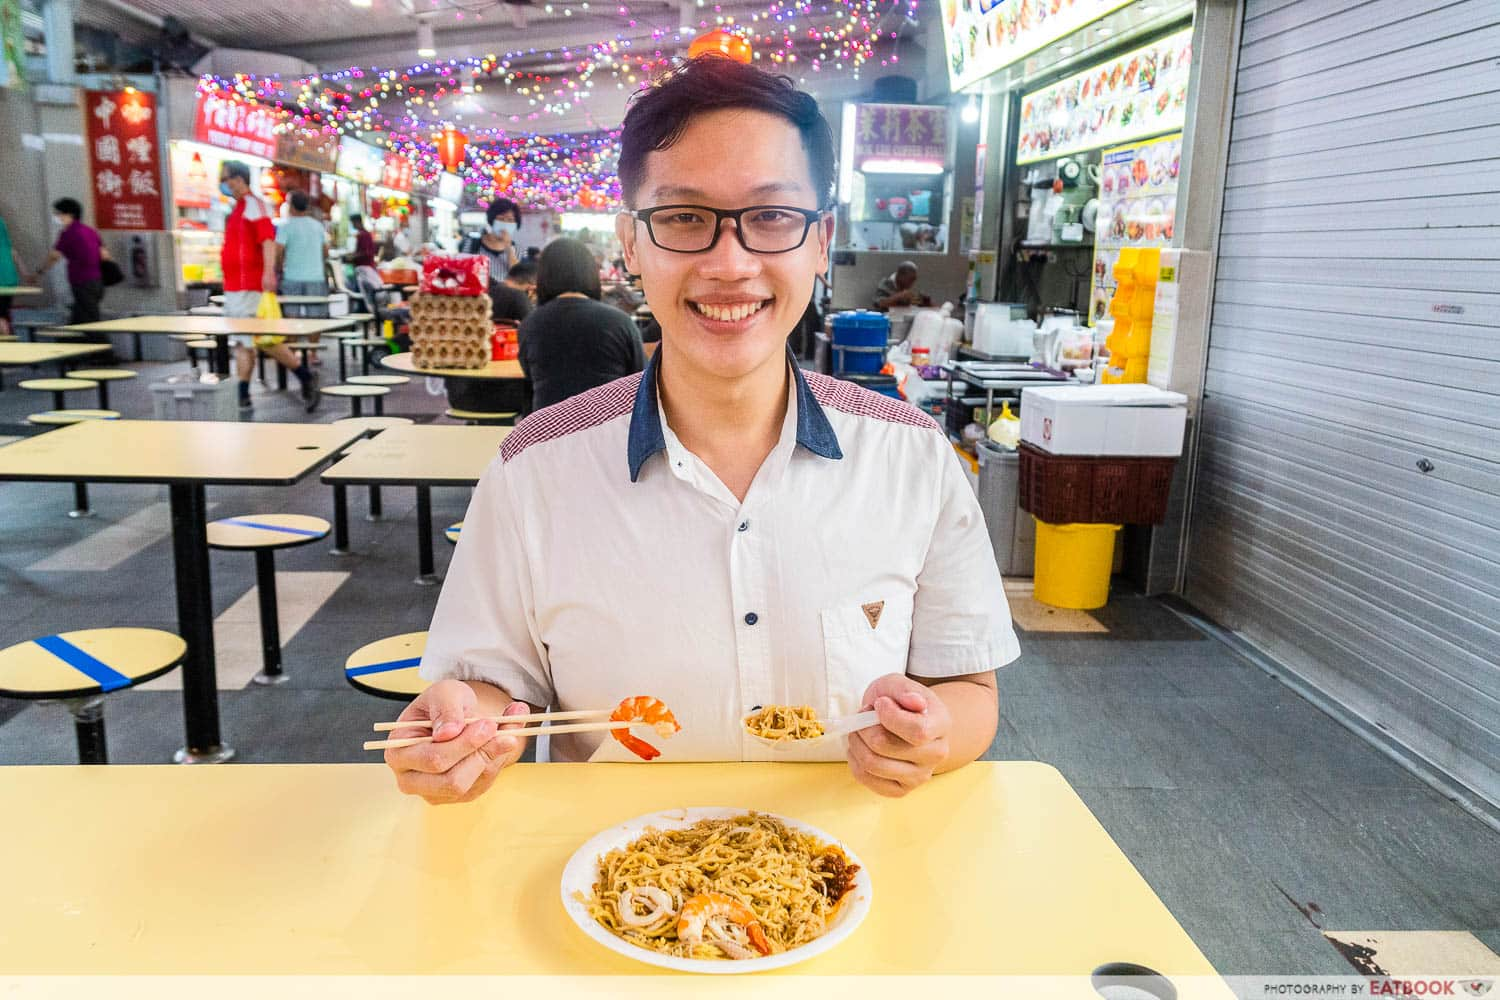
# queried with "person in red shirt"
point(248, 260)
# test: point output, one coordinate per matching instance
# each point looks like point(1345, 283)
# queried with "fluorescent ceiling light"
point(971, 110)
point(901, 167)
point(361, 3)
point(426, 46)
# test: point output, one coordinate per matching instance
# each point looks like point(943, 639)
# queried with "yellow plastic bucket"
point(1073, 563)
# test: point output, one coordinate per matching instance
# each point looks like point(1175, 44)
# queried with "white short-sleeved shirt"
point(600, 559)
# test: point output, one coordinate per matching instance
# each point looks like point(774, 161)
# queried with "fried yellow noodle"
point(785, 722)
point(791, 883)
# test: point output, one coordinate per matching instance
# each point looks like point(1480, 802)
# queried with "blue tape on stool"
point(107, 677)
point(381, 668)
point(273, 527)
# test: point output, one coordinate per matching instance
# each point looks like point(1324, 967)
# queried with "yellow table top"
point(492, 370)
point(420, 456)
point(26, 353)
point(17, 290)
point(208, 326)
point(182, 451)
point(995, 869)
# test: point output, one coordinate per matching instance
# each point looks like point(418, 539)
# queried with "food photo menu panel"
point(1137, 208)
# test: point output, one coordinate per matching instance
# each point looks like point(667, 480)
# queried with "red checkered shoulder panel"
point(588, 409)
point(846, 397)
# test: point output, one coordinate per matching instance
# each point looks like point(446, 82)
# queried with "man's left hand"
point(910, 742)
point(268, 282)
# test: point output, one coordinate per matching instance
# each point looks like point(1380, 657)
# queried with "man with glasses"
point(722, 531)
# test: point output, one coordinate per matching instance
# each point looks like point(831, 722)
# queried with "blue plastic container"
point(859, 341)
point(883, 384)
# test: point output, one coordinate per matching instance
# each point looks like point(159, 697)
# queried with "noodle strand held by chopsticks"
point(784, 722)
point(790, 881)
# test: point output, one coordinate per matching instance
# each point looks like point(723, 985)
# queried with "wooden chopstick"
point(585, 713)
point(581, 727)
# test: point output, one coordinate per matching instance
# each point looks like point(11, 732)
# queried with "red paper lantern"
point(450, 146)
point(721, 43)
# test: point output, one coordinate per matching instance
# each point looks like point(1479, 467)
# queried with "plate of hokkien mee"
point(718, 889)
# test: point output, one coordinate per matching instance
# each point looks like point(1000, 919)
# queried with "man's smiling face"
point(726, 312)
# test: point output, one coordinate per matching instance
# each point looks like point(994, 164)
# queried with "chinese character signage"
point(1138, 94)
point(225, 121)
point(989, 35)
point(900, 133)
point(308, 149)
point(396, 174)
point(124, 158)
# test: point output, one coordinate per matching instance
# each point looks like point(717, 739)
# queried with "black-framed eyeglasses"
point(759, 228)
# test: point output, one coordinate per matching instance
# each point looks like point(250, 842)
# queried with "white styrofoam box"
point(1104, 420)
point(182, 397)
point(338, 304)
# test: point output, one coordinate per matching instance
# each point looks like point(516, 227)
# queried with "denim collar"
point(814, 432)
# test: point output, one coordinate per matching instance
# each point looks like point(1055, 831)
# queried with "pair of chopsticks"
point(601, 714)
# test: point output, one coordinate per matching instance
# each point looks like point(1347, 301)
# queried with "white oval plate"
point(582, 870)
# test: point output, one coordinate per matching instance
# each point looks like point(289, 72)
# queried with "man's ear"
point(825, 242)
point(625, 233)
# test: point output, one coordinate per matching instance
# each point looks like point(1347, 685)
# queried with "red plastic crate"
point(1094, 489)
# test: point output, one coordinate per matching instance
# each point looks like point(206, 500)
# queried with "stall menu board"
point(1142, 93)
point(225, 121)
point(308, 149)
point(124, 158)
point(983, 36)
point(1137, 208)
point(902, 133)
point(396, 174)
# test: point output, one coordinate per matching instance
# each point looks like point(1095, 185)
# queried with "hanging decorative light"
point(503, 175)
point(450, 146)
point(721, 42)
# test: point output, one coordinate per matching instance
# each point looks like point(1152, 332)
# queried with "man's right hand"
point(463, 760)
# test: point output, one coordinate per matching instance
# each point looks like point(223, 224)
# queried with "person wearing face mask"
point(722, 530)
point(80, 246)
point(497, 242)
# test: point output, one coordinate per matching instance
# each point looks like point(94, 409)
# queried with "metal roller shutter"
point(1346, 504)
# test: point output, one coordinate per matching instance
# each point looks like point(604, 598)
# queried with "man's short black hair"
point(237, 168)
point(522, 272)
point(68, 206)
point(299, 200)
point(567, 265)
point(657, 116)
point(356, 220)
point(500, 206)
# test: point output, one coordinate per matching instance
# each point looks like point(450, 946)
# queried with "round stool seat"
point(388, 667)
point(366, 342)
point(202, 344)
point(304, 345)
point(361, 391)
point(57, 384)
point(451, 532)
point(454, 414)
point(185, 337)
point(60, 334)
point(373, 424)
point(377, 380)
point(8, 338)
point(266, 531)
point(87, 662)
point(64, 418)
point(104, 374)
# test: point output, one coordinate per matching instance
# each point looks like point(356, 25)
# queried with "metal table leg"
point(88, 725)
point(425, 575)
point(80, 501)
point(340, 521)
point(375, 510)
point(195, 623)
point(221, 354)
point(270, 626)
point(137, 338)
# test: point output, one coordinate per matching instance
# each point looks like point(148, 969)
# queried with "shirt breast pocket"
point(862, 642)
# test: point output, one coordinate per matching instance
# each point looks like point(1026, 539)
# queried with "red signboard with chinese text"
point(397, 172)
point(225, 121)
point(124, 158)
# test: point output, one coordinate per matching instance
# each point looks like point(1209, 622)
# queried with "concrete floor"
point(1259, 820)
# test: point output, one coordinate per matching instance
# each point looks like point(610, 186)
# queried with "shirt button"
point(752, 618)
point(744, 526)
